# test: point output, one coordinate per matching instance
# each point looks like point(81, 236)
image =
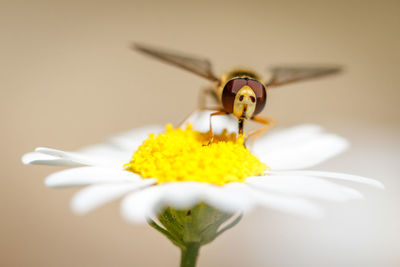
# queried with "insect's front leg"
point(204, 93)
point(267, 124)
point(202, 104)
point(220, 112)
point(194, 111)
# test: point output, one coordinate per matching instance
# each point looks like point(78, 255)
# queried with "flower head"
point(179, 169)
point(184, 155)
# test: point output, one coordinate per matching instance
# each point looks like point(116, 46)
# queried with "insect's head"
point(244, 97)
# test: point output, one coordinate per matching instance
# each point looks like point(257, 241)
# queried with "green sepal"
point(199, 224)
point(192, 228)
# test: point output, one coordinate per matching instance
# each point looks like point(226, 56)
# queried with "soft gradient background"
point(67, 79)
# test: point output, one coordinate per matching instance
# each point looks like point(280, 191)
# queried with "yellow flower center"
point(186, 155)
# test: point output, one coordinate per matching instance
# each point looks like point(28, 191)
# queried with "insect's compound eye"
point(261, 95)
point(241, 98)
point(253, 99)
point(234, 85)
point(229, 92)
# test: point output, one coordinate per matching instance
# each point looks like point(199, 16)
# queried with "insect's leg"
point(202, 103)
point(203, 94)
point(267, 124)
point(220, 112)
point(194, 111)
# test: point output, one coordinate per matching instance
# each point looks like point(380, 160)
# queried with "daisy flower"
point(194, 189)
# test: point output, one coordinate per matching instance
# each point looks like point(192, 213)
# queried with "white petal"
point(131, 140)
point(282, 203)
point(298, 147)
point(96, 195)
point(333, 175)
point(137, 206)
point(185, 195)
point(304, 187)
point(36, 158)
point(89, 175)
point(106, 151)
point(82, 159)
point(201, 122)
point(294, 135)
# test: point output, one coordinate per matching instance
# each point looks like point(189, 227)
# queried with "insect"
point(240, 92)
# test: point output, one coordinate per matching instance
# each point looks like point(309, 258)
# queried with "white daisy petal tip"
point(304, 186)
point(81, 158)
point(372, 182)
point(36, 158)
point(353, 194)
point(332, 175)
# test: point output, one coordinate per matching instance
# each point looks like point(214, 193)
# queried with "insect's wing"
point(195, 65)
point(286, 75)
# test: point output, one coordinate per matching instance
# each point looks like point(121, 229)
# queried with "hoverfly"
point(240, 92)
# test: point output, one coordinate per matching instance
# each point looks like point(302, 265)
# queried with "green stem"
point(189, 254)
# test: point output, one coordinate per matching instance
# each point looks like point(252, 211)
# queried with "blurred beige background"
point(67, 79)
